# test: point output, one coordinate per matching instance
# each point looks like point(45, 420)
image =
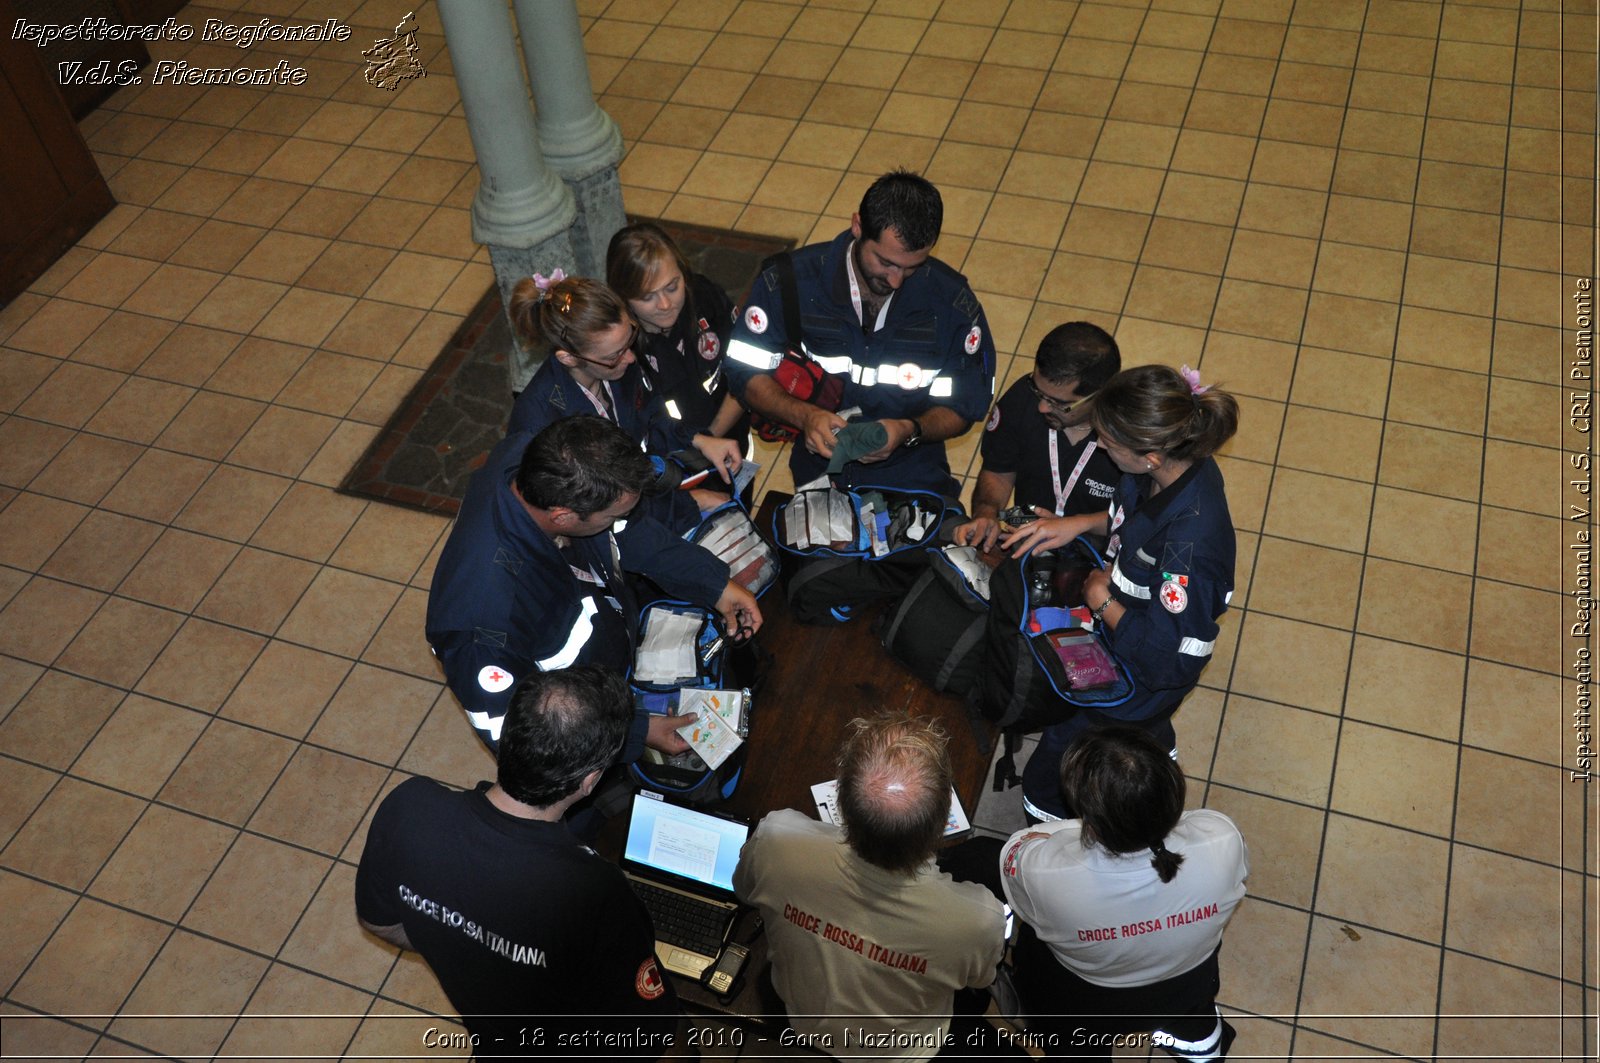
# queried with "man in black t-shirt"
point(1056, 469)
point(539, 943)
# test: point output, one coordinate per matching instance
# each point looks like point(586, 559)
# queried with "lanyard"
point(1064, 491)
point(606, 408)
point(855, 290)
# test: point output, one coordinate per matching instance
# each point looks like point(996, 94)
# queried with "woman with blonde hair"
point(592, 368)
point(1168, 574)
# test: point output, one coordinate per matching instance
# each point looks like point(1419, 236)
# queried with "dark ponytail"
point(1127, 790)
point(1164, 861)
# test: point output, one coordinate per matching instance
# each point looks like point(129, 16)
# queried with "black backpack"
point(937, 630)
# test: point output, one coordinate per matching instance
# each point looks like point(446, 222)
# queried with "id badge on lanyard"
point(855, 291)
point(1064, 491)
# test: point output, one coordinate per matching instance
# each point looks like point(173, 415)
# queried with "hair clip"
point(1192, 378)
point(541, 282)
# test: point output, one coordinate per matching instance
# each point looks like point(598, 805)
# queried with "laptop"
point(680, 862)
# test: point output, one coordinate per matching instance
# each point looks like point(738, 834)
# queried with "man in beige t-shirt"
point(869, 940)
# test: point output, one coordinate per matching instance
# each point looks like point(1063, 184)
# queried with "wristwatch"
point(916, 433)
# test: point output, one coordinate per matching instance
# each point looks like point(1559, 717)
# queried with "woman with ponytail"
point(1124, 907)
point(592, 368)
point(1168, 574)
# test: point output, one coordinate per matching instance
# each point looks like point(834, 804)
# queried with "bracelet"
point(1099, 612)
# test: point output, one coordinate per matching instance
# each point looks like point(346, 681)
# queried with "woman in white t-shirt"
point(1124, 906)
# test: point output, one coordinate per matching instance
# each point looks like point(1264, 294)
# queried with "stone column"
point(580, 140)
point(523, 210)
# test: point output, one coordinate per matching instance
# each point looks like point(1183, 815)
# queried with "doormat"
point(457, 412)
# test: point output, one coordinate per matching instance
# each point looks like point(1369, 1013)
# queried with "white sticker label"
point(494, 679)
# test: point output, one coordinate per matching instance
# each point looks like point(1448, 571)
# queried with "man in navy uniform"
point(531, 578)
point(902, 329)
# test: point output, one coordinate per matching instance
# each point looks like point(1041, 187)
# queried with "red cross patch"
point(1173, 597)
point(994, 420)
point(708, 342)
point(494, 679)
point(973, 339)
point(755, 319)
point(910, 376)
point(647, 983)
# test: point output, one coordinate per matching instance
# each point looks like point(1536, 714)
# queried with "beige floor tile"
point(1246, 365)
point(192, 977)
point(91, 963)
point(189, 355)
point(1305, 582)
point(232, 906)
point(1450, 341)
point(369, 694)
point(228, 772)
point(19, 374)
point(108, 279)
point(56, 718)
point(1260, 424)
point(1265, 311)
point(1514, 806)
point(139, 410)
point(1333, 443)
point(339, 612)
point(1432, 461)
point(1372, 979)
point(96, 819)
point(201, 665)
point(1413, 604)
point(1524, 1007)
point(1276, 750)
point(1516, 476)
point(280, 257)
point(37, 909)
point(331, 943)
point(446, 748)
point(257, 590)
point(85, 469)
point(1378, 876)
point(1521, 548)
point(1338, 381)
point(389, 542)
point(1438, 398)
point(1285, 842)
point(308, 522)
point(1395, 778)
point(1342, 322)
point(286, 991)
point(1482, 883)
point(304, 317)
point(1079, 280)
point(71, 394)
point(1271, 258)
point(318, 799)
point(215, 248)
point(1320, 509)
point(399, 643)
point(1521, 411)
point(42, 618)
point(162, 864)
point(232, 503)
point(120, 642)
point(24, 787)
point(102, 550)
point(140, 745)
point(1405, 686)
point(158, 485)
point(1398, 516)
point(1526, 645)
point(1258, 973)
point(32, 527)
point(282, 441)
point(387, 223)
point(1110, 233)
point(1320, 653)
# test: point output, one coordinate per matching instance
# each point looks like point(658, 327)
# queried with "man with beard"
point(901, 330)
point(1056, 469)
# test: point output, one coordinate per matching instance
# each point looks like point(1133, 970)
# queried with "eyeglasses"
point(1055, 404)
point(610, 361)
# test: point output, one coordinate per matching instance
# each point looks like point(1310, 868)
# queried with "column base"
point(600, 215)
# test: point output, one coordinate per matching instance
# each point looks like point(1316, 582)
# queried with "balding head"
point(894, 789)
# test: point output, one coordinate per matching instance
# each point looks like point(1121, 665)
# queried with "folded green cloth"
point(854, 440)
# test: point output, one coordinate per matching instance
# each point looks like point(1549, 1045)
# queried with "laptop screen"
point(683, 841)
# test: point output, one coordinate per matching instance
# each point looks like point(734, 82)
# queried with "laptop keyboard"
point(682, 920)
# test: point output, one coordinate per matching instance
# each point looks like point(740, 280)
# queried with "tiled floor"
point(1355, 215)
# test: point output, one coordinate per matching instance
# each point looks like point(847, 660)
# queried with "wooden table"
point(819, 679)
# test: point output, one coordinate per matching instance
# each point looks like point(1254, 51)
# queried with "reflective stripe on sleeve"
point(751, 355)
point(1196, 648)
point(1126, 585)
point(490, 726)
point(942, 388)
point(577, 638)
